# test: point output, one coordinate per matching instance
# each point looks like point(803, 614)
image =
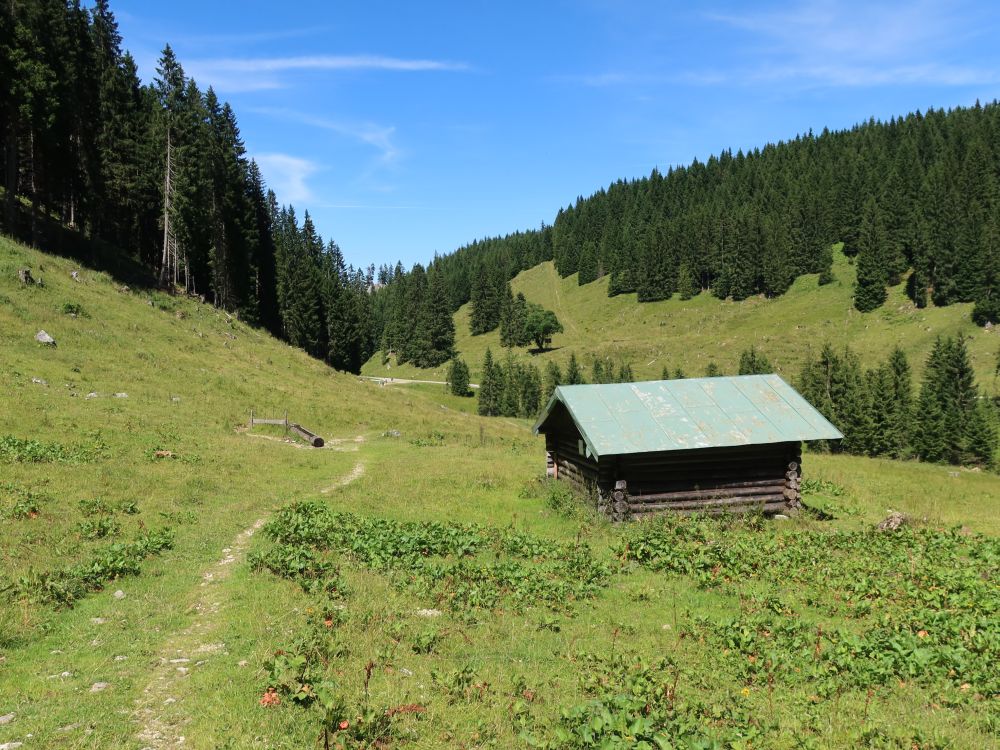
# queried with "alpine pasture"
point(416, 583)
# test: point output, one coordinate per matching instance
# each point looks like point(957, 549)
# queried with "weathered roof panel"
point(667, 415)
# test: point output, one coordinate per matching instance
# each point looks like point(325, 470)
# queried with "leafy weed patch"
point(463, 567)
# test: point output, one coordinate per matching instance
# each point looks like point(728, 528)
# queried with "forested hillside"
point(159, 173)
point(919, 192)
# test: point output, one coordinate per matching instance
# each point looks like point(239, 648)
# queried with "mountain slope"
point(690, 334)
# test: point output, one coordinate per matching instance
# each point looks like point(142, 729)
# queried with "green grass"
point(689, 334)
point(192, 375)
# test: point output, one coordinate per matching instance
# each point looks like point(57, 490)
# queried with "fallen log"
point(314, 440)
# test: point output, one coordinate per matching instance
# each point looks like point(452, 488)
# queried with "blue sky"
point(408, 128)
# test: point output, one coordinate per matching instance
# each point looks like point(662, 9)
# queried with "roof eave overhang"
point(557, 398)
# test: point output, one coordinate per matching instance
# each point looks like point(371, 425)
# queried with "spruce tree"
point(573, 374)
point(625, 373)
point(530, 394)
point(490, 388)
point(869, 290)
point(553, 379)
point(712, 370)
point(458, 377)
point(597, 371)
point(436, 329)
point(753, 362)
point(687, 284)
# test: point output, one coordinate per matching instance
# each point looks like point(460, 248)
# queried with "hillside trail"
point(561, 311)
point(191, 647)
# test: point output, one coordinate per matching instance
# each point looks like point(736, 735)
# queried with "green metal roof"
point(670, 415)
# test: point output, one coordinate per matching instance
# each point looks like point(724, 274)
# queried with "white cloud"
point(287, 175)
point(379, 137)
point(256, 73)
point(842, 44)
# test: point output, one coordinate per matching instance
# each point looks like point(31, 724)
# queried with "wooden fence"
point(314, 440)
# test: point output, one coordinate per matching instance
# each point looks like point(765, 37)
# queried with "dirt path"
point(356, 473)
point(190, 648)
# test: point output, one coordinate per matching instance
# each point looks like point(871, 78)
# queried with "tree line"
point(946, 421)
point(160, 173)
point(914, 198)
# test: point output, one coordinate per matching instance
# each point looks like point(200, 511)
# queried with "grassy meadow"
point(690, 334)
point(417, 580)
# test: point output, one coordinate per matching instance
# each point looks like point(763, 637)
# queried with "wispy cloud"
point(287, 176)
point(256, 73)
point(329, 62)
point(845, 44)
point(379, 137)
point(829, 43)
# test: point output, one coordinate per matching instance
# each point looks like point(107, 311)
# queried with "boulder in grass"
point(893, 522)
point(43, 338)
point(25, 277)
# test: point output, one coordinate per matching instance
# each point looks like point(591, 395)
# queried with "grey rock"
point(75, 275)
point(893, 521)
point(40, 381)
point(121, 395)
point(10, 745)
point(97, 687)
point(43, 338)
point(92, 394)
point(7, 718)
point(119, 594)
point(98, 620)
point(780, 517)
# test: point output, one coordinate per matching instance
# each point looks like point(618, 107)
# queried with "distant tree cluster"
point(516, 389)
point(876, 410)
point(159, 173)
point(917, 194)
point(509, 388)
point(415, 317)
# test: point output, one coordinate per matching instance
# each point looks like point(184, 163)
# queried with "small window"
point(581, 447)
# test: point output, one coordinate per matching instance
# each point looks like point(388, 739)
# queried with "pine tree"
point(625, 373)
point(458, 377)
point(553, 379)
point(687, 284)
point(530, 392)
point(753, 362)
point(712, 370)
point(490, 388)
point(436, 329)
point(573, 374)
point(597, 371)
point(869, 290)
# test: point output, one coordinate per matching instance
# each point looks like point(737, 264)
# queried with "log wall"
point(762, 478)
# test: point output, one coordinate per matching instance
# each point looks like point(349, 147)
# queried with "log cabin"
point(698, 445)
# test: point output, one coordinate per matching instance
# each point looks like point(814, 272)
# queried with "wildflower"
point(745, 691)
point(344, 724)
point(270, 698)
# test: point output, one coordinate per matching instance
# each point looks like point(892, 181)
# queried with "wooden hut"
point(706, 445)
